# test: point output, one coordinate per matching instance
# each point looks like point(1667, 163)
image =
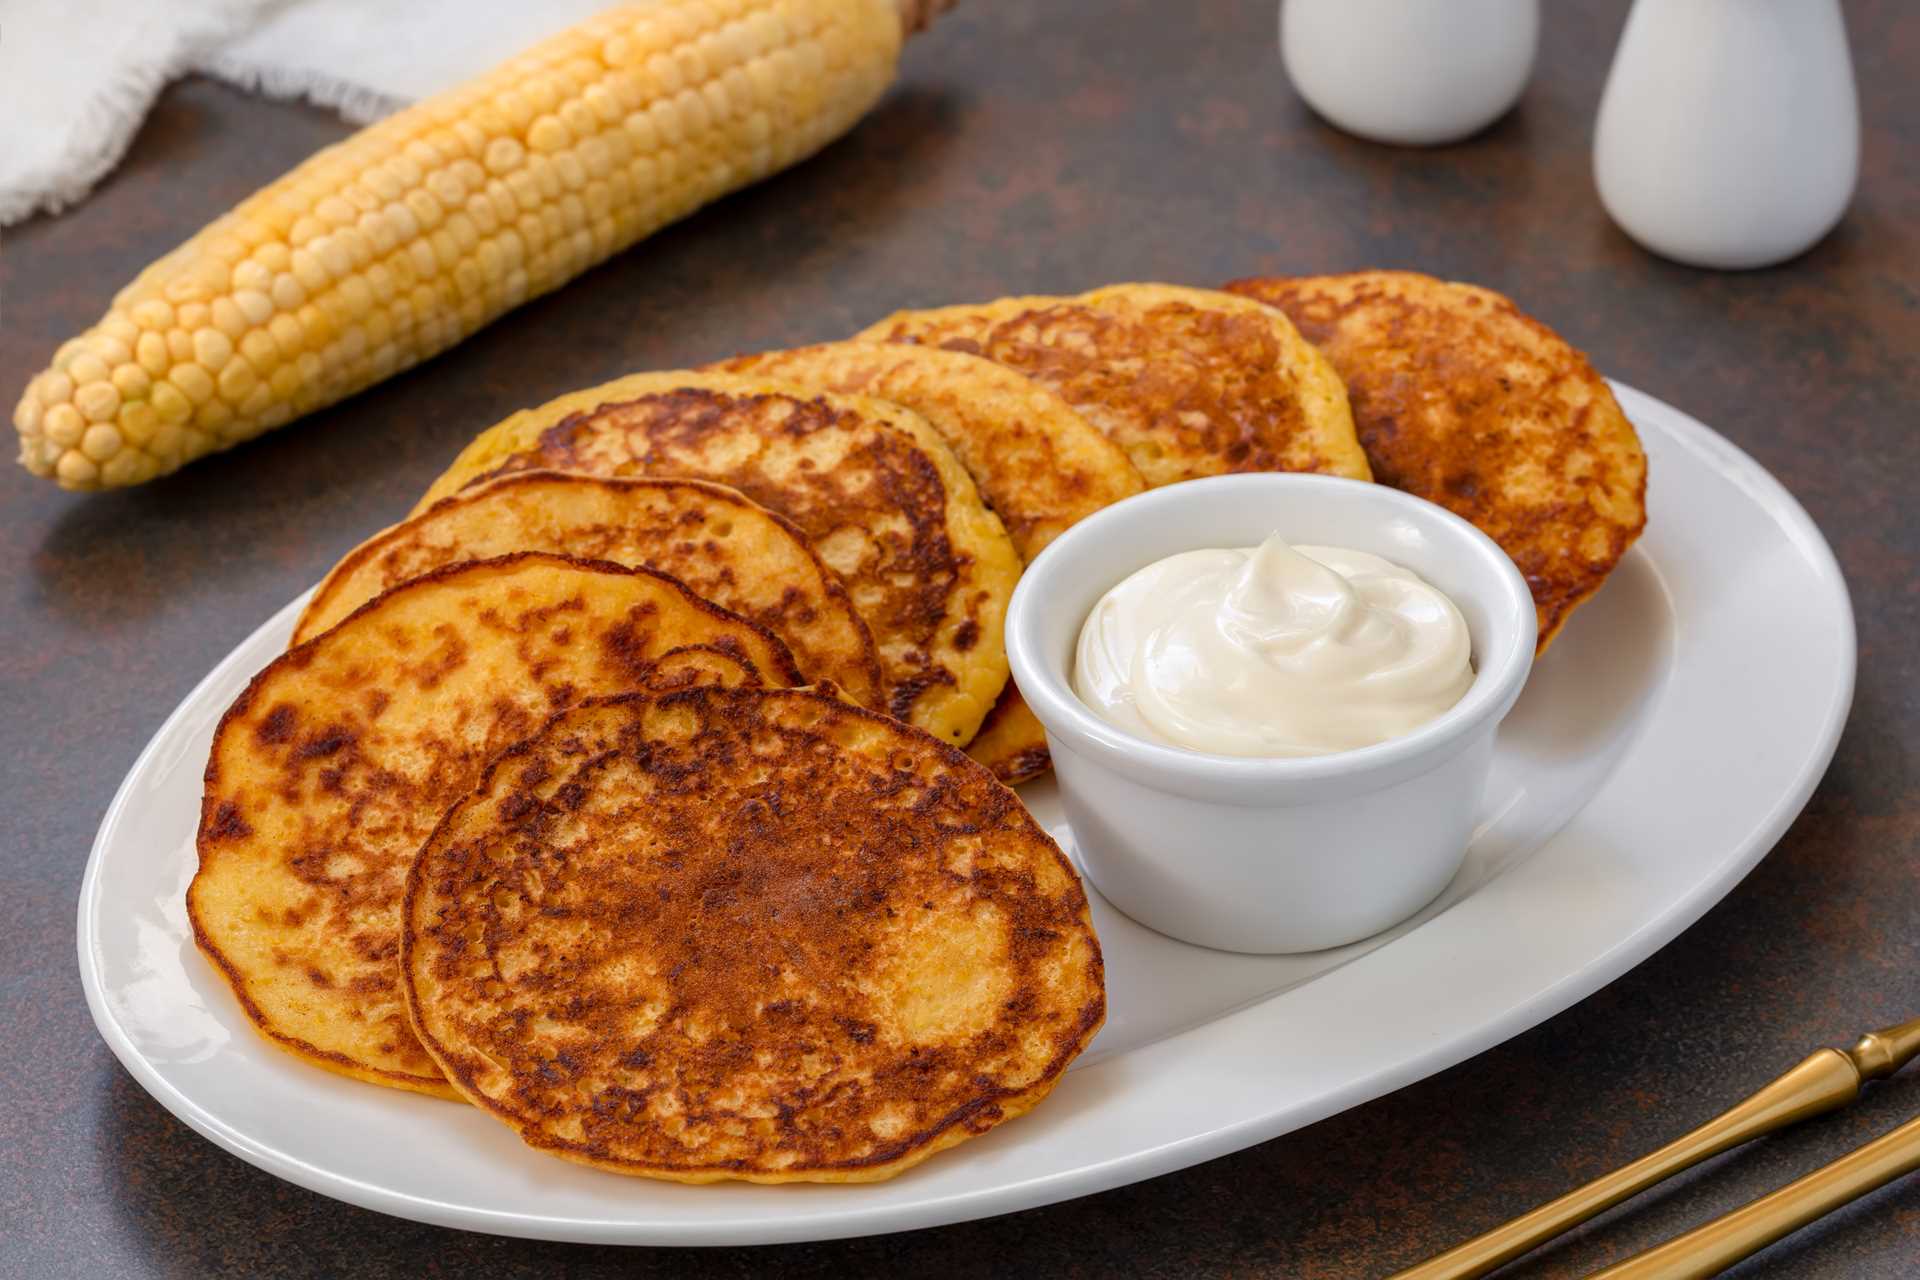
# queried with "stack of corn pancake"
point(644, 787)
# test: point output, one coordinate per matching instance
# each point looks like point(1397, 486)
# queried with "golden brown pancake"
point(753, 934)
point(720, 545)
point(1190, 382)
point(341, 756)
point(1039, 465)
point(872, 485)
point(1464, 400)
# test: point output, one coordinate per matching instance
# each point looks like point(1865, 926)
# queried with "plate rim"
point(1714, 451)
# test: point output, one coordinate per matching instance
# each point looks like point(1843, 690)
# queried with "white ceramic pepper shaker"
point(1729, 132)
point(1415, 73)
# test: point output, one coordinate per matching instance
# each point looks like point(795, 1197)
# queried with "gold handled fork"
point(1825, 1080)
point(1714, 1246)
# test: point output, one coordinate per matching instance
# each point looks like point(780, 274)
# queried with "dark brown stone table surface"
point(1028, 147)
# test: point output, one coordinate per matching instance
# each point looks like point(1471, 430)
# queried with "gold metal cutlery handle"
point(1711, 1248)
point(1825, 1080)
point(1878, 1054)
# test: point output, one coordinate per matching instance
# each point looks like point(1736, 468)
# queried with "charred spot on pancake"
point(689, 665)
point(907, 691)
point(327, 742)
point(1021, 765)
point(227, 823)
point(627, 644)
point(276, 726)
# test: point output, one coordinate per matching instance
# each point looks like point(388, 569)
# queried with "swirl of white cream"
point(1273, 651)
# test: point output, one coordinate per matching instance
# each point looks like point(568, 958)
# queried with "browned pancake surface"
point(1464, 400)
point(722, 546)
point(1190, 382)
point(875, 489)
point(1040, 465)
point(339, 758)
point(747, 934)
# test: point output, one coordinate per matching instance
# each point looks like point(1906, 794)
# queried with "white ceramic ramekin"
point(1270, 855)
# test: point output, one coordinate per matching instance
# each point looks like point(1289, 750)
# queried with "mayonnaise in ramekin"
point(1273, 651)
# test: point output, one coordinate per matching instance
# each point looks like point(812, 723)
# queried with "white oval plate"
point(1676, 729)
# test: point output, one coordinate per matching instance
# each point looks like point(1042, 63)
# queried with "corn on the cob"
point(393, 245)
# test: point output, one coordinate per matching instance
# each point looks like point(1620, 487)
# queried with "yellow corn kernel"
point(127, 467)
point(170, 403)
point(76, 470)
point(288, 294)
point(63, 425)
point(153, 314)
point(212, 415)
point(212, 348)
point(306, 273)
point(52, 387)
point(252, 274)
point(169, 440)
point(131, 381)
point(97, 401)
point(236, 381)
point(192, 381)
point(101, 441)
point(83, 367)
point(260, 350)
point(287, 335)
point(228, 318)
point(139, 421)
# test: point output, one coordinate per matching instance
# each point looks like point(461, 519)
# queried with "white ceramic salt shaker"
point(1416, 73)
point(1729, 131)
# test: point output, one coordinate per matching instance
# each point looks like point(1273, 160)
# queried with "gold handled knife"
point(1712, 1247)
point(1825, 1080)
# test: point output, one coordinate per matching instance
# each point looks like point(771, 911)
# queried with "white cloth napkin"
point(77, 76)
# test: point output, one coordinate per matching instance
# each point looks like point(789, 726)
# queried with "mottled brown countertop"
point(1028, 148)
